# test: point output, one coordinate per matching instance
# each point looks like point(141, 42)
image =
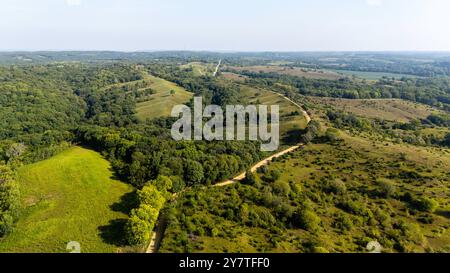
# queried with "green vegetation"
point(385, 109)
point(373, 75)
point(9, 200)
point(374, 166)
point(69, 197)
point(327, 198)
point(430, 91)
point(160, 104)
point(198, 68)
point(292, 119)
point(291, 71)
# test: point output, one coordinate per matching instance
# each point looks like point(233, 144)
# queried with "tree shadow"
point(114, 232)
point(293, 137)
point(126, 203)
point(443, 213)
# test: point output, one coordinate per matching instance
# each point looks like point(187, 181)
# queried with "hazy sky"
point(235, 25)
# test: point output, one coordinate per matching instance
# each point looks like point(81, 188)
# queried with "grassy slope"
point(200, 69)
point(287, 122)
point(355, 161)
point(161, 103)
point(66, 198)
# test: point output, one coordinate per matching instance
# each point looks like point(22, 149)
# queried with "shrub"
point(137, 231)
point(272, 176)
point(425, 204)
point(163, 183)
point(149, 195)
point(6, 223)
point(260, 217)
point(193, 171)
point(146, 213)
point(331, 135)
point(178, 183)
point(281, 188)
point(250, 178)
point(336, 186)
point(386, 188)
point(343, 222)
point(307, 220)
point(263, 169)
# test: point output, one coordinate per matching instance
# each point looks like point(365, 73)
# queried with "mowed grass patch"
point(69, 197)
point(161, 103)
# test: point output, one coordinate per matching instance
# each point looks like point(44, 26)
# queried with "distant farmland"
point(291, 71)
point(388, 109)
point(371, 75)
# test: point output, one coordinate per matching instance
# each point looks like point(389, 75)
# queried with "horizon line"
point(220, 51)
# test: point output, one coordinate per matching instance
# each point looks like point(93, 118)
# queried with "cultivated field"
point(70, 197)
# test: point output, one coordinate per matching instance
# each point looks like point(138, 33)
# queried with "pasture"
point(72, 196)
point(160, 104)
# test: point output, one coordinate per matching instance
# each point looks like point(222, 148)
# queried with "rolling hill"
point(160, 104)
point(72, 196)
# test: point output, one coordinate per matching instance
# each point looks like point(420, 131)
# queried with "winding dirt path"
point(258, 165)
point(158, 234)
point(217, 68)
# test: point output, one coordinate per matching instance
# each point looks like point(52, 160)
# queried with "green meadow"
point(72, 196)
point(161, 103)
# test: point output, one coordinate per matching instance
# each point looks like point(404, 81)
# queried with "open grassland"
point(233, 76)
point(371, 75)
point(291, 117)
point(329, 197)
point(387, 109)
point(200, 69)
point(160, 104)
point(72, 196)
point(291, 71)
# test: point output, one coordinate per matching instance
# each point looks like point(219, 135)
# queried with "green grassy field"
point(161, 103)
point(69, 197)
point(288, 121)
point(200, 69)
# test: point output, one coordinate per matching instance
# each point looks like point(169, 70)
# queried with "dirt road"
point(217, 68)
point(159, 231)
point(257, 166)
